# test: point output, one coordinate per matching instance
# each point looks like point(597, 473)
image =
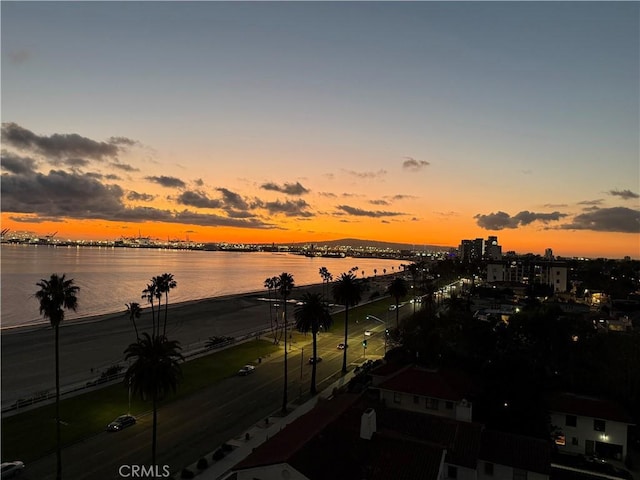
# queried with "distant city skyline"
point(288, 122)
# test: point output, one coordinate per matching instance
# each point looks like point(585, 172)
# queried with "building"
point(444, 393)
point(588, 425)
point(529, 272)
point(471, 251)
point(365, 437)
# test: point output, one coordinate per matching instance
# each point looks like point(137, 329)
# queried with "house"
point(436, 392)
point(588, 425)
point(358, 437)
point(340, 438)
point(513, 457)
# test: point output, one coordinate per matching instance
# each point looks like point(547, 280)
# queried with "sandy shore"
point(90, 345)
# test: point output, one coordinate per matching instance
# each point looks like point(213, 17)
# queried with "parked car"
point(246, 370)
point(123, 421)
point(11, 469)
point(341, 346)
point(313, 360)
point(367, 333)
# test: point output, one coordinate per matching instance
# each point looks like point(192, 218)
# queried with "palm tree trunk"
point(344, 352)
point(154, 429)
point(398, 314)
point(166, 305)
point(58, 439)
point(284, 394)
point(313, 390)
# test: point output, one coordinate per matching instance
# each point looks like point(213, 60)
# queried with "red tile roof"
point(584, 406)
point(517, 451)
point(442, 384)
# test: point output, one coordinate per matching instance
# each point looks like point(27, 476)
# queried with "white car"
point(11, 469)
point(246, 370)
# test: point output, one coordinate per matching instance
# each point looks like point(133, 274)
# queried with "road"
point(197, 425)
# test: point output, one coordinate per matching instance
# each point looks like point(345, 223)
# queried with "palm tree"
point(165, 284)
point(134, 310)
point(270, 285)
point(346, 291)
point(55, 296)
point(285, 285)
point(150, 294)
point(312, 315)
point(154, 372)
point(398, 289)
point(326, 278)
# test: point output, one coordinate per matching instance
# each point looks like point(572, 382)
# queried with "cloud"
point(591, 202)
point(402, 197)
point(377, 174)
point(140, 197)
point(16, 164)
point(232, 199)
point(501, 220)
point(170, 182)
point(555, 205)
point(415, 165)
point(327, 194)
point(297, 208)
point(59, 145)
point(198, 200)
point(124, 166)
point(378, 202)
point(58, 195)
point(358, 212)
point(624, 194)
point(615, 219)
point(288, 188)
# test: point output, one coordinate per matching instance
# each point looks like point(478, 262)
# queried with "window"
point(416, 399)
point(574, 441)
point(519, 474)
point(397, 397)
point(452, 472)
point(432, 403)
point(448, 405)
point(571, 421)
point(488, 468)
point(598, 425)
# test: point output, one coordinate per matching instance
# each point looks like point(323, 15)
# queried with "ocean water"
point(111, 277)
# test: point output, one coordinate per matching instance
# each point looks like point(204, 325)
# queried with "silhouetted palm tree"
point(55, 296)
point(285, 285)
point(310, 316)
point(348, 292)
point(326, 278)
point(150, 294)
point(134, 310)
point(398, 289)
point(154, 372)
point(166, 283)
point(270, 285)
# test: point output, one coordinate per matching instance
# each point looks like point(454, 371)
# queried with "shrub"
point(186, 473)
point(218, 454)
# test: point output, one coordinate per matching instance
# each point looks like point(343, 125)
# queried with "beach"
point(90, 345)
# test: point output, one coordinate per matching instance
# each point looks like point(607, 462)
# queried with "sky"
point(259, 122)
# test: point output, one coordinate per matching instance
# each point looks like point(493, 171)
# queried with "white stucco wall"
point(281, 471)
point(615, 433)
point(407, 402)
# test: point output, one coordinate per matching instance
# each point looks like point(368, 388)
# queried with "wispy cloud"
point(169, 182)
point(378, 174)
point(411, 163)
point(288, 188)
point(358, 212)
point(624, 194)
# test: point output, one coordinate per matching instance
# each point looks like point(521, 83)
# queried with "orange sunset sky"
point(411, 122)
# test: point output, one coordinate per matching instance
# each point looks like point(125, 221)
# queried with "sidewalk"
point(258, 434)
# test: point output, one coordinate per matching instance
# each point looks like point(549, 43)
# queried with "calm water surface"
point(110, 277)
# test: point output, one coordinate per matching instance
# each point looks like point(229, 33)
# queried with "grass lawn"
point(88, 414)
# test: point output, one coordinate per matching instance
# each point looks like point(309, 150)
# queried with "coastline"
point(174, 308)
